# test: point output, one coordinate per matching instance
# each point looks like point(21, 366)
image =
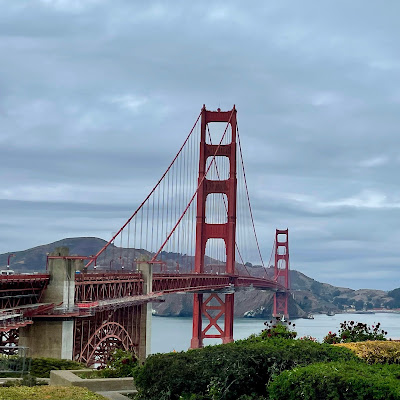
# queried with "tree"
point(369, 306)
point(306, 304)
point(377, 303)
point(316, 288)
point(359, 305)
point(340, 302)
point(395, 295)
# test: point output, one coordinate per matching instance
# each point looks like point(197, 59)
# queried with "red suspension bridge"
point(194, 232)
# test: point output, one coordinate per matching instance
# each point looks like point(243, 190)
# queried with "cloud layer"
point(96, 97)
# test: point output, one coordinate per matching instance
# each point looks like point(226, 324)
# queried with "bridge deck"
point(20, 294)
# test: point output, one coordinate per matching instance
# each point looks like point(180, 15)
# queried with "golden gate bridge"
point(194, 233)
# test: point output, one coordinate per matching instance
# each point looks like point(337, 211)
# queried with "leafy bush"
point(308, 337)
point(278, 329)
point(228, 371)
point(98, 374)
point(376, 352)
point(344, 381)
point(41, 367)
point(355, 332)
point(27, 380)
point(48, 392)
point(121, 364)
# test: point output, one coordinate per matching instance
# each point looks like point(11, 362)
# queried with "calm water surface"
point(170, 334)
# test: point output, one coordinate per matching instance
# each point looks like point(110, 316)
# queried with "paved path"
point(117, 395)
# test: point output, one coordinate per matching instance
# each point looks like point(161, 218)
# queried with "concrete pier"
point(145, 311)
point(54, 337)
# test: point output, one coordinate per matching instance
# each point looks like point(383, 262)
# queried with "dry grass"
point(48, 393)
point(376, 352)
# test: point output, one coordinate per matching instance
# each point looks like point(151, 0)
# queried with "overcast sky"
point(97, 96)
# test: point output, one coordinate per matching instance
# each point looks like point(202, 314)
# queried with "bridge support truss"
point(97, 336)
point(281, 273)
point(89, 334)
point(213, 307)
point(117, 325)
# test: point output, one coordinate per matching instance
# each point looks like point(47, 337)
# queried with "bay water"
point(170, 333)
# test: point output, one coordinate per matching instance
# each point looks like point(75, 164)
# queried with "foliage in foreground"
point(27, 380)
point(351, 331)
point(41, 367)
point(376, 352)
point(228, 371)
point(344, 381)
point(48, 392)
point(278, 329)
point(120, 365)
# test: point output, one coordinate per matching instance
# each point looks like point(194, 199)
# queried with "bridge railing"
point(13, 359)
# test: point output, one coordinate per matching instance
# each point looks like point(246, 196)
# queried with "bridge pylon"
point(53, 336)
point(281, 273)
point(214, 306)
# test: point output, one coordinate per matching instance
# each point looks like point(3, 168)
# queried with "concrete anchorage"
point(54, 336)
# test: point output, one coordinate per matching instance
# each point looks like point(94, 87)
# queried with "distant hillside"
point(308, 295)
point(34, 259)
point(316, 297)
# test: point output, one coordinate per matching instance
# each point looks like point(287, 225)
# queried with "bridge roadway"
point(21, 294)
point(82, 316)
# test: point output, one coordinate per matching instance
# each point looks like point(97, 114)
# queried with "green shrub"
point(228, 371)
point(278, 329)
point(376, 352)
point(41, 367)
point(98, 374)
point(121, 364)
point(344, 381)
point(27, 380)
point(351, 331)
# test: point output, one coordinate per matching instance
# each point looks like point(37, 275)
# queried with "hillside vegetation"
point(309, 295)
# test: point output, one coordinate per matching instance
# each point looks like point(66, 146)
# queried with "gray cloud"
point(96, 98)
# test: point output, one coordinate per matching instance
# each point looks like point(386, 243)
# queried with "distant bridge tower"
point(281, 273)
point(215, 306)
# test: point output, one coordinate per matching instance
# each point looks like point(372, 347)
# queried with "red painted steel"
point(102, 286)
point(101, 323)
point(144, 201)
point(94, 288)
point(170, 283)
point(18, 290)
point(9, 338)
point(97, 336)
point(281, 273)
point(206, 231)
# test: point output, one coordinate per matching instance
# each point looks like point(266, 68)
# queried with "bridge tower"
point(226, 231)
point(281, 273)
